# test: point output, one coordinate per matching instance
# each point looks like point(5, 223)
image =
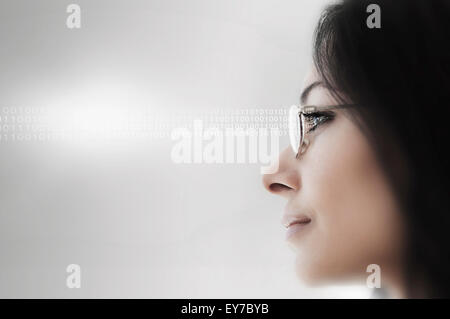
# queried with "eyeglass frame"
point(305, 110)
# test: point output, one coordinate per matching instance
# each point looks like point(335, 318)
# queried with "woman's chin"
point(309, 274)
point(315, 274)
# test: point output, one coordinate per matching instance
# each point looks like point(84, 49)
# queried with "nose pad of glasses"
point(304, 146)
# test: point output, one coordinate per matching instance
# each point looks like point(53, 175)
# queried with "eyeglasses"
point(299, 125)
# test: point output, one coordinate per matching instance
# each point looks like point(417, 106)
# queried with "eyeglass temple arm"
point(313, 108)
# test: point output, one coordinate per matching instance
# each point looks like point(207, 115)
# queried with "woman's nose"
point(286, 181)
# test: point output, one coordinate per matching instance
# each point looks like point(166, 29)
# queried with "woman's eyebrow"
point(307, 90)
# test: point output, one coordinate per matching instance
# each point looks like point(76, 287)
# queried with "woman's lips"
point(297, 225)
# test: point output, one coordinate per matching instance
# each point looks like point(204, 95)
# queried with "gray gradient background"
point(138, 224)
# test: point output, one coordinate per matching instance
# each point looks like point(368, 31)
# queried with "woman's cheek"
point(346, 189)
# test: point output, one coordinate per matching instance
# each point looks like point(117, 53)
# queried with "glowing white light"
point(94, 112)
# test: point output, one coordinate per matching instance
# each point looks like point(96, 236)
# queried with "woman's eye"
point(314, 120)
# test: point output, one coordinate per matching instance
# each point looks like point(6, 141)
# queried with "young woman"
point(367, 177)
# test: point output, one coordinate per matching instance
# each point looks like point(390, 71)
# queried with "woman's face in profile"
point(341, 214)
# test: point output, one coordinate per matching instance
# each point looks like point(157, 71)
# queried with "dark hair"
point(399, 76)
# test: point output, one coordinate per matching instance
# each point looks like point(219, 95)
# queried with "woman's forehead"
point(319, 94)
point(311, 76)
